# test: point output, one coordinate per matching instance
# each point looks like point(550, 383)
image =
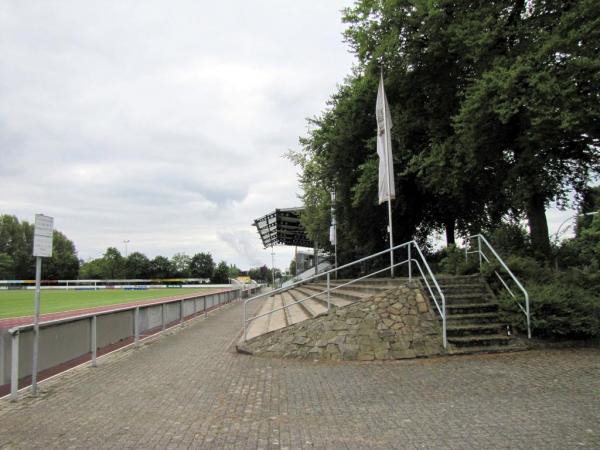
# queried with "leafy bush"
point(557, 310)
point(453, 262)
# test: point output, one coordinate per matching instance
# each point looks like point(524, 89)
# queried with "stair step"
point(473, 318)
point(471, 308)
point(513, 347)
point(480, 340)
point(469, 298)
point(474, 329)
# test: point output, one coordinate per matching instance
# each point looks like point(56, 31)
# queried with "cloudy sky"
point(162, 122)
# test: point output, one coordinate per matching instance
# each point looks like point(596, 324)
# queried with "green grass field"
point(20, 303)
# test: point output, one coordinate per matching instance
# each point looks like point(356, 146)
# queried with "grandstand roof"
point(283, 227)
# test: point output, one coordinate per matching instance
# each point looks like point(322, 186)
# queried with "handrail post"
point(136, 326)
point(328, 289)
point(444, 331)
point(409, 263)
point(93, 339)
point(528, 315)
point(480, 254)
point(14, 368)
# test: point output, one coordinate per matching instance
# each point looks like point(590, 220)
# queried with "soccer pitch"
point(19, 303)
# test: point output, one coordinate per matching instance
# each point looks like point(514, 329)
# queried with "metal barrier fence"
point(66, 339)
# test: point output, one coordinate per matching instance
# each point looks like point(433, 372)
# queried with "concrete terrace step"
point(359, 287)
point(277, 318)
point(312, 307)
point(335, 298)
point(294, 313)
point(261, 325)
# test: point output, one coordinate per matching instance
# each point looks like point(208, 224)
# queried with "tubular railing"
point(423, 267)
point(482, 256)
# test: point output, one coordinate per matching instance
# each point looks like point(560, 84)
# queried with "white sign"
point(42, 236)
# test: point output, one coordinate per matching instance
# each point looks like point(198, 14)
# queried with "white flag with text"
point(387, 191)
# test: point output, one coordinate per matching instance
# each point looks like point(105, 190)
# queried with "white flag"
point(332, 236)
point(384, 146)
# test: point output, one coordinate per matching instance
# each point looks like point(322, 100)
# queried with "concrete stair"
point(312, 307)
point(473, 323)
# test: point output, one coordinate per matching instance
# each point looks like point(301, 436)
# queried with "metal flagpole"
point(387, 175)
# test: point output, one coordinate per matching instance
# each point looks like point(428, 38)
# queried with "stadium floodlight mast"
point(42, 248)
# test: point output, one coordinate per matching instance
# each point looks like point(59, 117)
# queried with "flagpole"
point(389, 187)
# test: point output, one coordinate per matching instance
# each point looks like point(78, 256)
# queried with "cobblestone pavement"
point(189, 389)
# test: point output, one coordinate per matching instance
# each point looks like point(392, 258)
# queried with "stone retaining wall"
point(395, 324)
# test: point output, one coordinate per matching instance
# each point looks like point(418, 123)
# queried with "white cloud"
point(163, 123)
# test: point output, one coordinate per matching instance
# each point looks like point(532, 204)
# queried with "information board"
point(42, 236)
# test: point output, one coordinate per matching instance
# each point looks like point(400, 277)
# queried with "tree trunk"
point(450, 226)
point(538, 226)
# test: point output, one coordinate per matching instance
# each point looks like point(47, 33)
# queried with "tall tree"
point(202, 265)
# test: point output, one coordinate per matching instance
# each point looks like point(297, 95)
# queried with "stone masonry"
point(395, 324)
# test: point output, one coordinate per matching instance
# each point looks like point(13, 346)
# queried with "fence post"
point(93, 340)
point(245, 325)
point(181, 312)
point(14, 368)
point(205, 312)
point(164, 317)
point(136, 325)
point(328, 286)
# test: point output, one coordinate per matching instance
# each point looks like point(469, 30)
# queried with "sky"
point(163, 123)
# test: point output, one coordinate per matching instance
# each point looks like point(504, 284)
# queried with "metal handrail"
point(441, 309)
point(482, 256)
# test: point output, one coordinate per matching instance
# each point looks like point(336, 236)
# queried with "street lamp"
point(126, 242)
point(593, 213)
point(572, 217)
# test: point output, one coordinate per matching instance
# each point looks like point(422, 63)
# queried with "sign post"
point(42, 248)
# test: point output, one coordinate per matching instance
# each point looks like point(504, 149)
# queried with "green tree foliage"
point(113, 264)
point(16, 244)
point(202, 265)
point(234, 271)
point(181, 264)
point(221, 274)
point(161, 267)
point(495, 111)
point(6, 267)
point(137, 265)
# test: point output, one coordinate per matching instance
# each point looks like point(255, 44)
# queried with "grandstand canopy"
point(283, 227)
